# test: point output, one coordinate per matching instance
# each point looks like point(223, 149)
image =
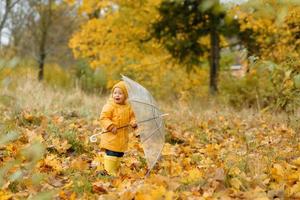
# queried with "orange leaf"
point(99, 188)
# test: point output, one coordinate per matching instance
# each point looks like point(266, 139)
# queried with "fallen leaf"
point(296, 161)
point(235, 183)
point(99, 188)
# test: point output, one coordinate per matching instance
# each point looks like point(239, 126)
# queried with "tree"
point(183, 23)
point(44, 11)
point(17, 24)
point(7, 8)
point(116, 36)
point(48, 25)
point(116, 39)
point(270, 29)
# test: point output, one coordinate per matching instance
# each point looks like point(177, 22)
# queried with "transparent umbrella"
point(149, 119)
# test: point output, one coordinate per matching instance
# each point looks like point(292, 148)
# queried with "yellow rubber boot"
point(111, 164)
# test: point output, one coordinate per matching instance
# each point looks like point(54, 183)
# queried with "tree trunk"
point(214, 56)
point(42, 54)
point(9, 4)
point(6, 11)
point(45, 26)
point(41, 66)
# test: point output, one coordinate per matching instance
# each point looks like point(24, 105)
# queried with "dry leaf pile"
point(223, 157)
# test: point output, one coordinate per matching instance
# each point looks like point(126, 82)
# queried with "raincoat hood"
point(122, 86)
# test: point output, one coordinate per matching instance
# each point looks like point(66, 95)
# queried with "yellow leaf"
point(235, 183)
point(295, 189)
point(28, 117)
point(73, 196)
point(143, 196)
point(61, 146)
point(277, 172)
point(111, 196)
point(127, 195)
point(169, 195)
point(158, 192)
point(297, 161)
point(64, 196)
point(194, 175)
point(235, 171)
point(33, 136)
point(144, 193)
point(57, 119)
point(54, 162)
point(168, 150)
point(79, 164)
point(158, 180)
point(5, 195)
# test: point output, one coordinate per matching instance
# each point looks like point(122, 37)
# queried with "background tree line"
point(167, 45)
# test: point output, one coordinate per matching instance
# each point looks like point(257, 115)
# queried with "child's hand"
point(112, 128)
point(133, 125)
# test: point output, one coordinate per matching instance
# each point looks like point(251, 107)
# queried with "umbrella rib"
point(157, 157)
point(153, 106)
point(150, 168)
point(153, 111)
point(149, 104)
point(158, 128)
point(158, 125)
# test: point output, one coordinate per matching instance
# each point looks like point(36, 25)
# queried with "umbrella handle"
point(93, 138)
point(147, 120)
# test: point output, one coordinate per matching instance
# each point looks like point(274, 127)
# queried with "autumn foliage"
point(241, 144)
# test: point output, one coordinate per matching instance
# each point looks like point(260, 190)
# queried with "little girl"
point(116, 113)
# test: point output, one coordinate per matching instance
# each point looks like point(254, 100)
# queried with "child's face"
point(118, 96)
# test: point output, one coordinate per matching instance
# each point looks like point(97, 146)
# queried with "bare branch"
point(8, 7)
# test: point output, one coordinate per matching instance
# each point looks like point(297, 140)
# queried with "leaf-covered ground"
point(217, 156)
point(210, 152)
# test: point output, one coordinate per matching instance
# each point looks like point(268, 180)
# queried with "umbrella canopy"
point(149, 119)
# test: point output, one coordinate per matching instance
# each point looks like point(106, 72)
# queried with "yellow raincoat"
point(119, 115)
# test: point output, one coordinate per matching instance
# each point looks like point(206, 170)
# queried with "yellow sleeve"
point(106, 116)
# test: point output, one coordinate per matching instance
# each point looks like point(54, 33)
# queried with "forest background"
point(228, 73)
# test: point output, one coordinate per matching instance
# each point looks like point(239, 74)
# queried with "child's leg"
point(112, 162)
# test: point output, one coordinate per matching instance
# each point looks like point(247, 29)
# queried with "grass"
point(27, 93)
point(76, 144)
point(82, 184)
